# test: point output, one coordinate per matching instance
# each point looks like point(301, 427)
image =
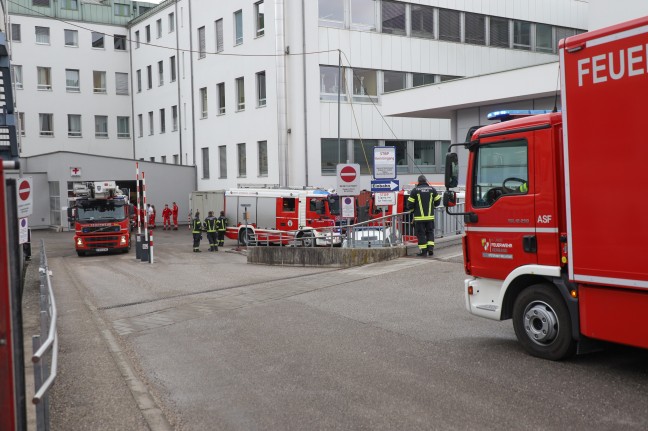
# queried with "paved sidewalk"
point(89, 392)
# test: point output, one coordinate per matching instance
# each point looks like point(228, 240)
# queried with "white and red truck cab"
point(101, 216)
point(264, 214)
point(547, 243)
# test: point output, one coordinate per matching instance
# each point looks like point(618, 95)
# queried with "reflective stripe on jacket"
point(210, 224)
point(196, 226)
point(221, 223)
point(423, 199)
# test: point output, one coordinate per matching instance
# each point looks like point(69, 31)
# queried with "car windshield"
point(101, 210)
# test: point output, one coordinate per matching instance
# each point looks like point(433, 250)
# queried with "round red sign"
point(348, 174)
point(24, 190)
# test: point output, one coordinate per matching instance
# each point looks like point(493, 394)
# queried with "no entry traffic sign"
point(348, 174)
point(25, 197)
point(24, 190)
point(348, 179)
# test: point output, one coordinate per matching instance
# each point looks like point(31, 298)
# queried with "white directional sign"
point(25, 196)
point(384, 185)
point(385, 163)
point(348, 179)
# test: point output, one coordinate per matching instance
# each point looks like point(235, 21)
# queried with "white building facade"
point(262, 78)
point(247, 90)
point(71, 73)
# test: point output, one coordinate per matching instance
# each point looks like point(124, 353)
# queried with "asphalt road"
point(207, 342)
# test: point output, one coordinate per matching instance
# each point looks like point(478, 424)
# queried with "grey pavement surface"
point(207, 342)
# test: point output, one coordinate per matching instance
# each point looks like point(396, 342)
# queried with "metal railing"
point(45, 364)
point(387, 231)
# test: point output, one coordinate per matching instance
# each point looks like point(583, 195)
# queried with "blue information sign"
point(385, 185)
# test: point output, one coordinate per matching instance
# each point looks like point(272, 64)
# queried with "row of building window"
point(415, 20)
point(412, 157)
point(158, 30)
point(368, 83)
point(163, 159)
point(259, 29)
point(74, 129)
point(71, 38)
point(241, 160)
point(120, 9)
point(239, 87)
point(161, 119)
point(160, 74)
point(72, 80)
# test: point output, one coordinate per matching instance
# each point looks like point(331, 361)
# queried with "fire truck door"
point(503, 238)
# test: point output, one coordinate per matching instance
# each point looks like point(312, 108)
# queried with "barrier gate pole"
point(151, 249)
point(137, 182)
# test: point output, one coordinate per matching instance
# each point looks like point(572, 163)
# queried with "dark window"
point(422, 21)
point(475, 29)
point(449, 25)
point(393, 17)
point(521, 35)
point(288, 204)
point(423, 79)
point(499, 32)
point(120, 42)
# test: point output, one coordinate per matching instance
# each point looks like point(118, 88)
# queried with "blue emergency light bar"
point(517, 113)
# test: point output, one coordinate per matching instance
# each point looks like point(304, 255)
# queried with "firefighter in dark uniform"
point(211, 224)
point(196, 229)
point(422, 200)
point(221, 226)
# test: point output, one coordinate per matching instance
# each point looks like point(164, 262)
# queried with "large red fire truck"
point(259, 213)
point(101, 215)
point(546, 242)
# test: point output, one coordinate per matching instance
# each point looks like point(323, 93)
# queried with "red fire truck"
point(101, 215)
point(308, 212)
point(546, 243)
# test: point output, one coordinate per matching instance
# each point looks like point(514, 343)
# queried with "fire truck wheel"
point(306, 238)
point(245, 236)
point(81, 253)
point(542, 323)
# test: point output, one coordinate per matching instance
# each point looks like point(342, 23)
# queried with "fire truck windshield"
point(334, 204)
point(500, 168)
point(95, 210)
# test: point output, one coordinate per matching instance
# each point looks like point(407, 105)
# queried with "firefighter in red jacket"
point(422, 200)
point(174, 212)
point(166, 217)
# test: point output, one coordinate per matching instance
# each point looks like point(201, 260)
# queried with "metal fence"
point(387, 231)
point(45, 345)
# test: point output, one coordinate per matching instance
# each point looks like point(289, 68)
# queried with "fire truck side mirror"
point(71, 213)
point(451, 170)
point(449, 199)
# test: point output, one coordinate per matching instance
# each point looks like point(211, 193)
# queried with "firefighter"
point(166, 217)
point(196, 229)
point(222, 227)
point(174, 211)
point(422, 201)
point(211, 224)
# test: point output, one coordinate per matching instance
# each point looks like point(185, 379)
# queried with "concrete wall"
point(334, 257)
point(164, 183)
